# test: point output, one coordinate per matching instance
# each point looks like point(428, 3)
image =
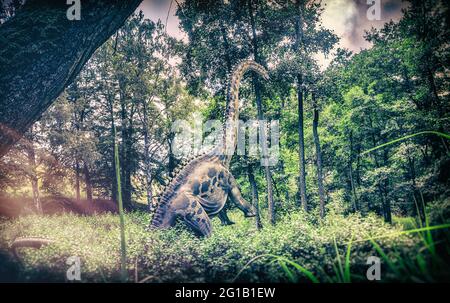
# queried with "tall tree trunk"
point(255, 197)
point(172, 163)
point(113, 161)
point(262, 131)
point(318, 158)
point(125, 148)
point(226, 47)
point(382, 184)
point(77, 180)
point(301, 148)
point(353, 188)
point(31, 154)
point(417, 197)
point(387, 201)
point(350, 176)
point(42, 52)
point(148, 167)
point(301, 137)
point(87, 181)
point(128, 186)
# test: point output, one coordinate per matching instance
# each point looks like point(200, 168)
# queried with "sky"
point(347, 18)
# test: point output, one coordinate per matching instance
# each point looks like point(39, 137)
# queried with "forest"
point(363, 167)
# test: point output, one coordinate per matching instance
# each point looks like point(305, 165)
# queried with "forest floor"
point(299, 248)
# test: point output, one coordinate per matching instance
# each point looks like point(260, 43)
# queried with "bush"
point(176, 255)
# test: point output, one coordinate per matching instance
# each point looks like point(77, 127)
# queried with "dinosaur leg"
point(236, 197)
point(196, 217)
point(224, 217)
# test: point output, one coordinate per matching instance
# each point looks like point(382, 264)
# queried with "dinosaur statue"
point(201, 187)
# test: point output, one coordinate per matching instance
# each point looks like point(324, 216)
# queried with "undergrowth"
point(334, 249)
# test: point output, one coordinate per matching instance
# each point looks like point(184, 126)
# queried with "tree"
point(32, 171)
point(315, 126)
point(42, 52)
point(258, 97)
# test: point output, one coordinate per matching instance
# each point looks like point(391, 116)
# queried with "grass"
point(295, 250)
point(442, 135)
point(283, 262)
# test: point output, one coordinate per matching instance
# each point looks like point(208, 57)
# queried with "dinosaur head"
point(246, 208)
point(250, 213)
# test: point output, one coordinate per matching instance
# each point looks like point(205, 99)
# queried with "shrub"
point(176, 255)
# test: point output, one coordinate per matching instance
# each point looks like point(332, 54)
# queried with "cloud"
point(159, 10)
point(348, 19)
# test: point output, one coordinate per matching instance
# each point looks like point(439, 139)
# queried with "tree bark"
point(113, 161)
point(255, 197)
point(87, 181)
point(350, 176)
point(148, 167)
point(31, 154)
point(382, 184)
point(125, 147)
point(42, 52)
point(418, 207)
point(387, 201)
point(318, 158)
point(353, 188)
point(77, 180)
point(301, 137)
point(262, 131)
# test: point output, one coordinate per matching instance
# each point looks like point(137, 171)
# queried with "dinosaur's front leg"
point(224, 217)
point(236, 197)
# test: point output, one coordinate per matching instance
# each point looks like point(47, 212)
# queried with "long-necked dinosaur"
point(200, 189)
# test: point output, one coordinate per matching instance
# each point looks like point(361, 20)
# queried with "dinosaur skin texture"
point(200, 189)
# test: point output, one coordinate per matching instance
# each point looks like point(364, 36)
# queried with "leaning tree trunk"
point(41, 52)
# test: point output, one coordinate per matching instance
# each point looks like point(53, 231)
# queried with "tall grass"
point(283, 262)
point(342, 273)
point(428, 132)
point(123, 254)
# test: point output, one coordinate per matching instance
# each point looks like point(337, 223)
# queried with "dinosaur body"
point(202, 187)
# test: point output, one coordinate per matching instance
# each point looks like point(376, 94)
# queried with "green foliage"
point(379, 156)
point(293, 250)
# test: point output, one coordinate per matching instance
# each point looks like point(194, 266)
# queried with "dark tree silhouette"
point(41, 52)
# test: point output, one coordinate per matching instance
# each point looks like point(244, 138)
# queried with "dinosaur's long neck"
point(232, 112)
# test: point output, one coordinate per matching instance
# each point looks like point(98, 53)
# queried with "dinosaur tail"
point(28, 242)
point(232, 113)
